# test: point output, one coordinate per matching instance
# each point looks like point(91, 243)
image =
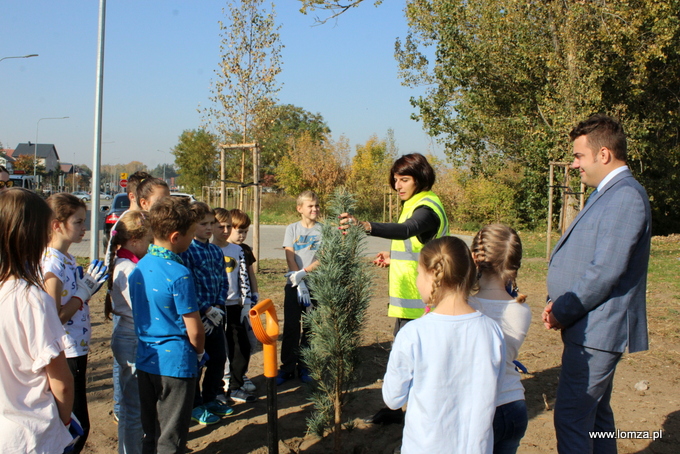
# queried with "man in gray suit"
point(597, 281)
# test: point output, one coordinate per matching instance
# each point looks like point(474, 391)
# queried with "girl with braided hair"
point(130, 241)
point(497, 252)
point(448, 364)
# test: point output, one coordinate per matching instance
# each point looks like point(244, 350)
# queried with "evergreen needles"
point(342, 287)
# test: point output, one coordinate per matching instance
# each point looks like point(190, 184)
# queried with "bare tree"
point(246, 78)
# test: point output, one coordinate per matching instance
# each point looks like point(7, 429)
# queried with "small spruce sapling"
point(342, 286)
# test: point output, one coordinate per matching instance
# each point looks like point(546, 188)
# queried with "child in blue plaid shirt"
point(206, 263)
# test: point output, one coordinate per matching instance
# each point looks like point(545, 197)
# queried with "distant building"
point(46, 154)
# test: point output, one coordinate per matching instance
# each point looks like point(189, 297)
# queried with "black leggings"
point(78, 366)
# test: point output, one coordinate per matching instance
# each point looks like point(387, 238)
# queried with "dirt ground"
point(656, 409)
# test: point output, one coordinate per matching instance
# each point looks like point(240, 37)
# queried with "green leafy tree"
point(342, 287)
point(196, 159)
point(508, 80)
point(278, 127)
point(246, 85)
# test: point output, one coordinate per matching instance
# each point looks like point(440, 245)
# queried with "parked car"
point(105, 196)
point(183, 194)
point(82, 195)
point(120, 204)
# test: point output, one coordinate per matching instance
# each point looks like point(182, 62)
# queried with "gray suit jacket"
point(597, 277)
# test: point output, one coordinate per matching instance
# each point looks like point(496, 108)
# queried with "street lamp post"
point(35, 152)
point(22, 56)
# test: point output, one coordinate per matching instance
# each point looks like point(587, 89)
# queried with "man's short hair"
point(603, 131)
point(171, 214)
point(307, 195)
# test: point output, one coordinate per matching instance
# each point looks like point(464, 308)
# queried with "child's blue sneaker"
point(202, 416)
point(282, 377)
point(304, 375)
point(219, 408)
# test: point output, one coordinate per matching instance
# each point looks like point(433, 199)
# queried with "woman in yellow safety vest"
point(422, 219)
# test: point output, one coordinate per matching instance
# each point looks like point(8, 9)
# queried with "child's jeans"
point(130, 434)
point(509, 425)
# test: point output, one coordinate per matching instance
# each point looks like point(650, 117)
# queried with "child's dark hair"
point(222, 215)
point(450, 260)
point(134, 225)
point(202, 209)
point(147, 187)
point(24, 234)
point(135, 180)
point(239, 219)
point(497, 249)
point(171, 214)
point(64, 205)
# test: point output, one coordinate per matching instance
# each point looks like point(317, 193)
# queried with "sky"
point(159, 60)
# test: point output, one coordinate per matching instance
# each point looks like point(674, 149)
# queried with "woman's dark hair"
point(24, 233)
point(416, 166)
point(146, 188)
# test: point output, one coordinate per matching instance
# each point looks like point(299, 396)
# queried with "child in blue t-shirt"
point(169, 327)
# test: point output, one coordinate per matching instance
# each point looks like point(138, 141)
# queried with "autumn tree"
point(246, 78)
point(310, 164)
point(25, 163)
point(508, 80)
point(196, 159)
point(369, 172)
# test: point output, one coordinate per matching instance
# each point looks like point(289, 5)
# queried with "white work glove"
point(245, 314)
point(296, 276)
point(215, 315)
point(207, 325)
point(90, 281)
point(303, 296)
point(76, 431)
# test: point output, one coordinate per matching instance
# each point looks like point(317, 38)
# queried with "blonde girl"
point(130, 239)
point(36, 390)
point(497, 252)
point(71, 292)
point(446, 365)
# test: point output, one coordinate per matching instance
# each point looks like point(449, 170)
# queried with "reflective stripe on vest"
point(405, 301)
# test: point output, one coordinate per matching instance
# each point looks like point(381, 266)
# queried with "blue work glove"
point(76, 432)
point(520, 367)
point(202, 359)
point(90, 281)
point(303, 296)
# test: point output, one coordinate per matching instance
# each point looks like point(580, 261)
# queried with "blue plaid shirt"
point(206, 263)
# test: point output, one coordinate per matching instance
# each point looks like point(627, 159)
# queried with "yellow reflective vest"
point(405, 301)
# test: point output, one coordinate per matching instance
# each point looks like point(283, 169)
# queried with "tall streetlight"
point(35, 153)
point(22, 56)
point(164, 164)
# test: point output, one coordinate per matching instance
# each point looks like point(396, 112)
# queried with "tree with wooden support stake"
point(342, 287)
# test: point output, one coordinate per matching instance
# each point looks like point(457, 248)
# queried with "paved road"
point(271, 239)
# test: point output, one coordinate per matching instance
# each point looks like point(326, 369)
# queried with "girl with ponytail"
point(497, 252)
point(448, 364)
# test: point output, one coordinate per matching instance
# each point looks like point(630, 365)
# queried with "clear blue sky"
point(160, 57)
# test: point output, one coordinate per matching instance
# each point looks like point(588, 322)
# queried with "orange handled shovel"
point(268, 335)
